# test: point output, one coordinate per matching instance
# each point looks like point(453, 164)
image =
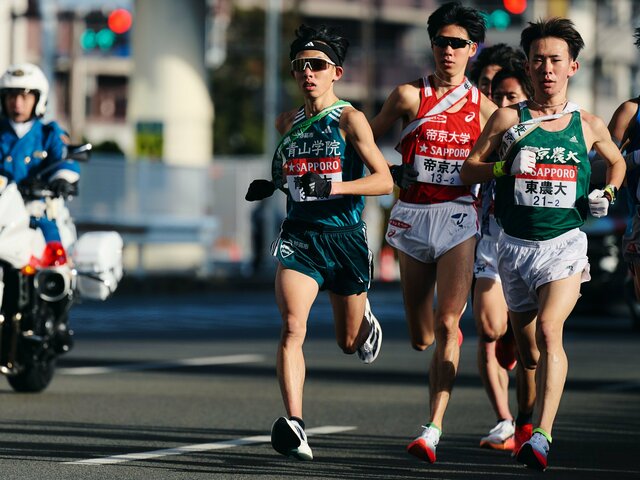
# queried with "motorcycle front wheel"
point(35, 377)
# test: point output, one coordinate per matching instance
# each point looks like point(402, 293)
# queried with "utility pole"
point(272, 71)
point(369, 55)
point(271, 105)
point(78, 82)
point(49, 11)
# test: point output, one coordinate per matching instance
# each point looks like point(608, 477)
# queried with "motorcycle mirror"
point(81, 152)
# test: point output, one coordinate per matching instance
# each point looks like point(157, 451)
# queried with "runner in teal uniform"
point(322, 245)
point(541, 201)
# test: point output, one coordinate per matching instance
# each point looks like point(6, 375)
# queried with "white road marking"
point(186, 362)
point(201, 447)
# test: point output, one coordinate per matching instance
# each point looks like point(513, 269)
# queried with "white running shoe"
point(424, 446)
point(289, 439)
point(501, 437)
point(369, 350)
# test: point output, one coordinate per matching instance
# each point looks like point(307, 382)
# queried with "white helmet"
point(26, 76)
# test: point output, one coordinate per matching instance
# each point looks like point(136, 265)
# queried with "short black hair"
point(519, 74)
point(454, 13)
point(561, 28)
point(328, 35)
point(636, 35)
point(499, 54)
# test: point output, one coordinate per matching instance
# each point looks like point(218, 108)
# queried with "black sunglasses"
point(454, 42)
point(313, 63)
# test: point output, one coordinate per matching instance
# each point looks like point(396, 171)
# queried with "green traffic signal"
point(105, 39)
point(498, 19)
point(88, 39)
point(501, 19)
point(102, 39)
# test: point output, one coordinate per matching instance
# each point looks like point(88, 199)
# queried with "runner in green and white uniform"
point(541, 201)
point(552, 200)
point(319, 164)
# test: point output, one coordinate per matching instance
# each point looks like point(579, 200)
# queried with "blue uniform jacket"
point(21, 157)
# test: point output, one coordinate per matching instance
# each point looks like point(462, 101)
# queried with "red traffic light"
point(120, 20)
point(515, 6)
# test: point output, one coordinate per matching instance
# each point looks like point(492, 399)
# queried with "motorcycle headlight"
point(52, 284)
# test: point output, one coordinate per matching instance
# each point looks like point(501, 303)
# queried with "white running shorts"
point(426, 232)
point(525, 265)
point(486, 264)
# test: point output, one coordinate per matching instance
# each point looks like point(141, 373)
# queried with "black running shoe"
point(289, 439)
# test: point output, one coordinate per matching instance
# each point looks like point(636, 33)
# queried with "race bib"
point(329, 168)
point(439, 171)
point(550, 186)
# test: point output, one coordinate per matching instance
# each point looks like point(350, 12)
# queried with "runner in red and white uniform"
point(434, 225)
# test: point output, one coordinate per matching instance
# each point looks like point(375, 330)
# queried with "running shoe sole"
point(508, 444)
point(376, 330)
point(286, 441)
point(531, 458)
point(419, 449)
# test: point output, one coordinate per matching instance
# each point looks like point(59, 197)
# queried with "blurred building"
point(92, 63)
point(389, 42)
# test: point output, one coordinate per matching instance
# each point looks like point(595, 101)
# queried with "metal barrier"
point(148, 203)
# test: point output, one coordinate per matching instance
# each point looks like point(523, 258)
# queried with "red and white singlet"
point(439, 144)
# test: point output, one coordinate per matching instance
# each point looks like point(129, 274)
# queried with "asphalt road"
point(183, 387)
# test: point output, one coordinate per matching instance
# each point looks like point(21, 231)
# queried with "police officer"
point(31, 149)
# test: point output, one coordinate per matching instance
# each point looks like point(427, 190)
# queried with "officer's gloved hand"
point(404, 175)
point(62, 188)
point(315, 185)
point(259, 190)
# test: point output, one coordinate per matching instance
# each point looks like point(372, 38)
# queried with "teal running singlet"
point(320, 148)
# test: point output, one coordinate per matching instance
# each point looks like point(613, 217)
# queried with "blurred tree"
point(238, 85)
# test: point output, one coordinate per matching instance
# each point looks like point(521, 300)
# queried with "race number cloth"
point(437, 143)
point(550, 186)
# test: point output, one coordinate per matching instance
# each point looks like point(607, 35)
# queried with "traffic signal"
point(119, 20)
point(107, 33)
point(515, 7)
point(498, 19)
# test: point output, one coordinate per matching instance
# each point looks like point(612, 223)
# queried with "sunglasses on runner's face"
point(454, 42)
point(313, 63)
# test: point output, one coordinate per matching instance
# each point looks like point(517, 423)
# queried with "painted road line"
point(186, 362)
point(201, 447)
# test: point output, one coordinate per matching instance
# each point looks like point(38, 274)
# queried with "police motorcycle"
point(40, 281)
